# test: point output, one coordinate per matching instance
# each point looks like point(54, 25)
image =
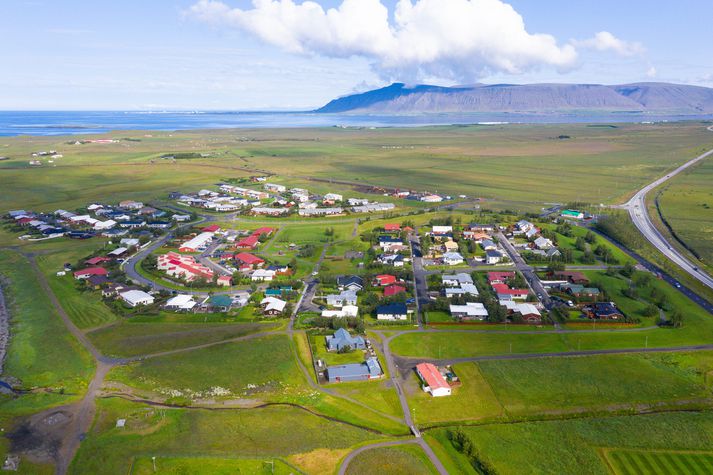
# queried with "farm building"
point(370, 369)
point(197, 243)
point(433, 382)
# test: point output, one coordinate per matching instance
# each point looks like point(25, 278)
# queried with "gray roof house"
point(346, 297)
point(342, 339)
point(370, 369)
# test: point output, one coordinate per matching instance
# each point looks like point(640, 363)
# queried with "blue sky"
point(82, 55)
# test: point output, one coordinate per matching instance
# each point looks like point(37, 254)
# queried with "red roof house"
point(249, 261)
point(385, 279)
point(249, 242)
point(225, 280)
point(90, 271)
point(263, 231)
point(500, 277)
point(393, 289)
point(96, 260)
point(213, 228)
point(433, 381)
point(392, 227)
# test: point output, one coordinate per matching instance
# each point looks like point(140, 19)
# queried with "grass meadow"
point(399, 460)
point(575, 446)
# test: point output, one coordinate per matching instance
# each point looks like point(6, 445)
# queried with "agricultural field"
point(650, 462)
point(686, 203)
point(578, 445)
point(221, 434)
point(399, 460)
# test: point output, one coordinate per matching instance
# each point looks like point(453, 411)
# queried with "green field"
point(132, 339)
point(208, 466)
point(592, 383)
point(686, 202)
point(263, 367)
point(400, 460)
point(574, 446)
point(192, 433)
point(650, 462)
point(42, 353)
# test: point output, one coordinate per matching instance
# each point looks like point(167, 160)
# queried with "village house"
point(385, 279)
point(263, 275)
point(320, 212)
point(543, 243)
point(198, 243)
point(350, 282)
point(269, 211)
point(274, 188)
point(224, 281)
point(494, 257)
point(388, 243)
point(247, 261)
point(135, 298)
point(393, 289)
point(272, 306)
point(370, 369)
point(183, 267)
point(453, 258)
point(392, 228)
point(345, 312)
point(433, 382)
point(373, 207)
point(528, 312)
point(334, 197)
point(396, 260)
point(347, 297)
point(180, 303)
point(603, 311)
point(342, 340)
point(469, 311)
point(90, 271)
point(394, 311)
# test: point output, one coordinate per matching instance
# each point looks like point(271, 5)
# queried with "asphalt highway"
point(640, 216)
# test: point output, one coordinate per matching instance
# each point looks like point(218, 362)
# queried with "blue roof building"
point(342, 339)
point(370, 369)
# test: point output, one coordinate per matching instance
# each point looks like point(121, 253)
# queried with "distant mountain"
point(656, 98)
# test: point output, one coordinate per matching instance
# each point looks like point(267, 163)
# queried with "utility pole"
point(153, 459)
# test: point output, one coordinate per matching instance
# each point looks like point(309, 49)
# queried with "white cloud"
point(652, 72)
point(605, 41)
point(459, 40)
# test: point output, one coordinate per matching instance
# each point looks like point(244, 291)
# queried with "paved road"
point(639, 213)
point(394, 372)
point(527, 271)
point(420, 283)
point(703, 303)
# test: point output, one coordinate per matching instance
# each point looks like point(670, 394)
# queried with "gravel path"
point(4, 328)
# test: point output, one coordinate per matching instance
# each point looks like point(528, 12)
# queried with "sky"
point(295, 55)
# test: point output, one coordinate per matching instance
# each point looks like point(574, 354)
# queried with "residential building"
point(453, 258)
point(344, 312)
point(385, 279)
point(529, 313)
point(493, 257)
point(198, 243)
point(183, 267)
point(134, 298)
point(247, 261)
point(342, 340)
point(370, 369)
point(272, 306)
point(262, 275)
point(90, 271)
point(456, 280)
point(393, 289)
point(394, 311)
point(347, 297)
point(350, 282)
point(469, 311)
point(181, 303)
point(433, 382)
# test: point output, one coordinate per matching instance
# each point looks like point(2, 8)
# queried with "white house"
point(262, 275)
point(333, 197)
point(181, 302)
point(134, 298)
point(345, 311)
point(470, 311)
point(433, 382)
point(452, 258)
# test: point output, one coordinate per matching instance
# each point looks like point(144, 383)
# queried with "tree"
point(555, 267)
point(676, 319)
point(628, 270)
point(590, 237)
point(651, 311)
point(580, 244)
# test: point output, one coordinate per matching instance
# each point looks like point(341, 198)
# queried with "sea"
point(78, 122)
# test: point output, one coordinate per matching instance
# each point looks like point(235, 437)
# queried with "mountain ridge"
point(644, 97)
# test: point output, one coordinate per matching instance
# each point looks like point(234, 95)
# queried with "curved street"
point(639, 213)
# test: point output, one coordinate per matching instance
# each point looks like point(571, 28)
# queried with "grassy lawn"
point(260, 368)
point(181, 433)
point(651, 462)
point(581, 384)
point(473, 400)
point(399, 460)
point(130, 338)
point(686, 203)
point(209, 465)
point(574, 446)
point(42, 353)
point(332, 358)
